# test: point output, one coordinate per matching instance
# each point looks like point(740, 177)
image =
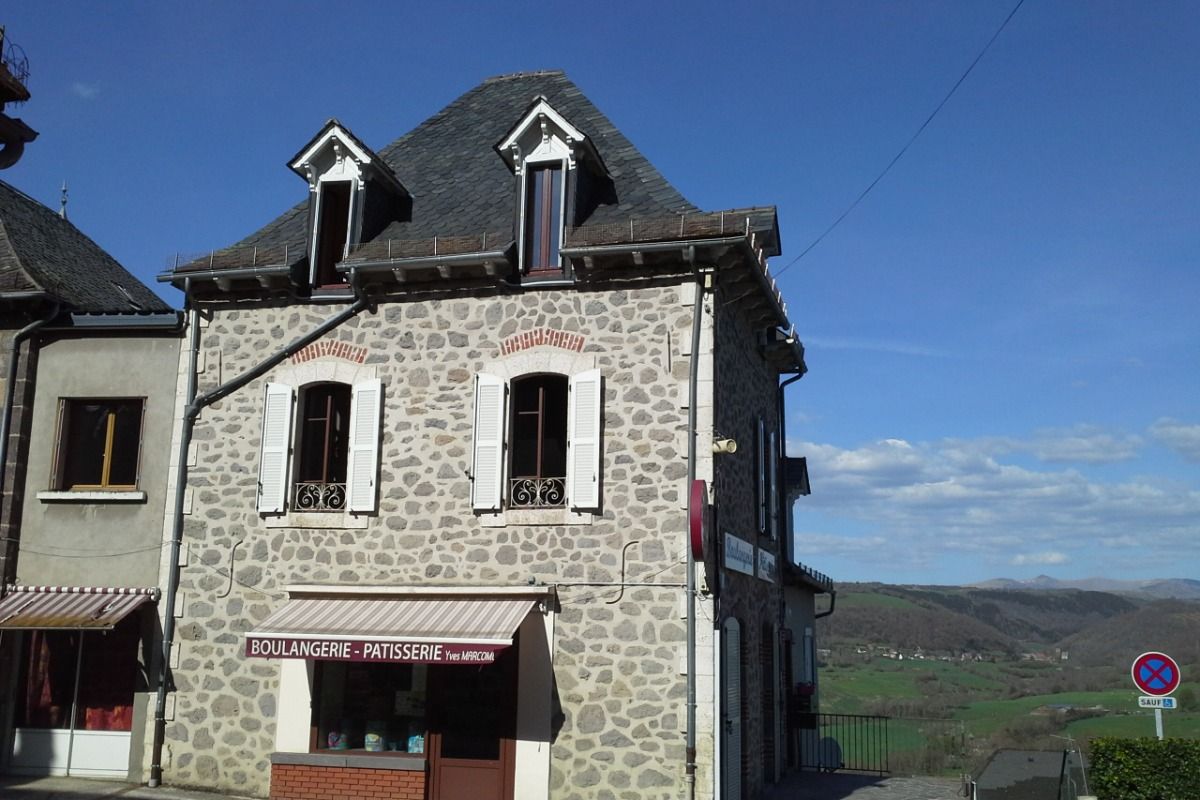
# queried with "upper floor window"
point(549, 425)
point(538, 442)
point(543, 219)
point(99, 442)
point(335, 440)
point(322, 442)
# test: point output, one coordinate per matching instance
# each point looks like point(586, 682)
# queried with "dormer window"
point(332, 229)
point(546, 154)
point(353, 195)
point(543, 219)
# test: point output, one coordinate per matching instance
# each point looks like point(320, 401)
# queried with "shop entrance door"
point(472, 730)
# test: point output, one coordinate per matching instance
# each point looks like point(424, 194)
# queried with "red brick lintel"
point(542, 336)
point(342, 350)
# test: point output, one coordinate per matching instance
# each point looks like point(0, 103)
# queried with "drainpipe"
point(10, 390)
point(781, 400)
point(194, 406)
point(702, 280)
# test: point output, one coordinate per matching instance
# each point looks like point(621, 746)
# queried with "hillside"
point(1004, 623)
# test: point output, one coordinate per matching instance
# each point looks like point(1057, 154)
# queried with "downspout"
point(781, 400)
point(10, 391)
point(194, 406)
point(832, 603)
point(693, 391)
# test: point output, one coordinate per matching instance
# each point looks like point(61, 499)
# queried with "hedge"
point(1145, 769)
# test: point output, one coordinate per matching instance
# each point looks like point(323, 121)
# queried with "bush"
point(1145, 769)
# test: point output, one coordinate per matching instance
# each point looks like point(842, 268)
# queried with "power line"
point(907, 144)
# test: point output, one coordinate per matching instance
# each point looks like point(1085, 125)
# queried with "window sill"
point(535, 517)
point(327, 520)
point(96, 496)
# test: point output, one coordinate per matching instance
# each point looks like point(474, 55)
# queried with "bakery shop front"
point(429, 693)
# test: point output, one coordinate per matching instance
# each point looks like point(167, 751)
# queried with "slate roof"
point(1022, 775)
point(460, 185)
point(42, 252)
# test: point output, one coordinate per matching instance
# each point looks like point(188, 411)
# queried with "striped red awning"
point(77, 608)
point(422, 629)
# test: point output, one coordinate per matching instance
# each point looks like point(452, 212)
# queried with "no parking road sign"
point(1156, 674)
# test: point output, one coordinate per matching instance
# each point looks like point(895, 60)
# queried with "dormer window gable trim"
point(544, 135)
point(339, 168)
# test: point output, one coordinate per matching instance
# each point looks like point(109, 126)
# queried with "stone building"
point(481, 490)
point(89, 356)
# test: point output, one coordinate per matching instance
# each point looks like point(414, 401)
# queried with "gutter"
point(832, 603)
point(270, 271)
point(190, 413)
point(758, 267)
point(10, 389)
point(166, 321)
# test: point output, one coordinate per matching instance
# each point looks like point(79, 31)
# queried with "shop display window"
point(48, 682)
point(369, 707)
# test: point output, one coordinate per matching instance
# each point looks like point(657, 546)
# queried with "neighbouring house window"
point(538, 441)
point(369, 707)
point(549, 427)
point(322, 447)
point(333, 227)
point(48, 680)
point(98, 444)
point(329, 459)
point(543, 219)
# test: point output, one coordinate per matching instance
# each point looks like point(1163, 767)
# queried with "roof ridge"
point(527, 74)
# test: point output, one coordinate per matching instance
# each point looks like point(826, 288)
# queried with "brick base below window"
point(303, 782)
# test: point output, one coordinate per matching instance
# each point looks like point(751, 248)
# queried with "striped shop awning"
point(76, 608)
point(412, 629)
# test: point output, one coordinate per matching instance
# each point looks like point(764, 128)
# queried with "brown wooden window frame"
point(332, 232)
point(65, 446)
point(543, 219)
point(548, 420)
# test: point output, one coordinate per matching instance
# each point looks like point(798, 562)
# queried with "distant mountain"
point(1168, 626)
point(1160, 588)
point(997, 621)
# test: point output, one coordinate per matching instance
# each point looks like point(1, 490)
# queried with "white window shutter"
point(761, 475)
point(773, 484)
point(276, 446)
point(583, 441)
point(366, 402)
point(487, 473)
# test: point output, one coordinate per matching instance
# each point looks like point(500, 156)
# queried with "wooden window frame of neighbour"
point(542, 223)
point(65, 449)
point(336, 397)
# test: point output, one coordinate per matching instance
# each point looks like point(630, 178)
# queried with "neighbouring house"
point(483, 490)
point(90, 357)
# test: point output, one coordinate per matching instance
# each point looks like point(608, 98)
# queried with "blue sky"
point(1003, 337)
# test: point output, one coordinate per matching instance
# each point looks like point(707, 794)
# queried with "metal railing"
point(14, 60)
point(315, 496)
point(845, 742)
point(537, 492)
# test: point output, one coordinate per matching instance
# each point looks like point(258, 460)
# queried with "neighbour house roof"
point(40, 251)
point(463, 190)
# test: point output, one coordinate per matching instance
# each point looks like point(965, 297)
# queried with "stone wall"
point(616, 654)
point(746, 389)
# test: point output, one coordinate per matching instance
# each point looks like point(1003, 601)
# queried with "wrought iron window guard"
point(317, 496)
point(537, 492)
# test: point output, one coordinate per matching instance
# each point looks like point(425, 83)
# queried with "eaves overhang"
point(805, 576)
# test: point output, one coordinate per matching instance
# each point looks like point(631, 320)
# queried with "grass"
point(1138, 724)
point(989, 716)
point(874, 600)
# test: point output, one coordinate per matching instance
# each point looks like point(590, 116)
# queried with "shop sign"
point(367, 650)
point(766, 566)
point(739, 554)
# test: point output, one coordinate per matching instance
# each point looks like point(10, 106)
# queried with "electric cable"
point(907, 144)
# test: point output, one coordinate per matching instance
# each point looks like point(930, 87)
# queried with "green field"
point(982, 706)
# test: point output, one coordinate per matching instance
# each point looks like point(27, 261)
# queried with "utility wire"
point(908, 144)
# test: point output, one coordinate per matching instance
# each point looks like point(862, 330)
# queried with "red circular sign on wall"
point(1156, 674)
point(698, 518)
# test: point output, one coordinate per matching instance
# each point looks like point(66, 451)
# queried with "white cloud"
point(1041, 559)
point(85, 90)
point(959, 502)
point(1082, 444)
point(1180, 437)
